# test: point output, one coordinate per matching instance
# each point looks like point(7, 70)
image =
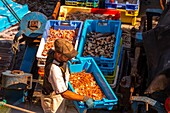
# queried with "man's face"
point(61, 58)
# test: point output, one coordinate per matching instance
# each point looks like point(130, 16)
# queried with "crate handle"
point(65, 23)
point(74, 61)
point(87, 65)
point(102, 23)
point(129, 13)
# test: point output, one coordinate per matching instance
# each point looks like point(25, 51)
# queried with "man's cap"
point(64, 47)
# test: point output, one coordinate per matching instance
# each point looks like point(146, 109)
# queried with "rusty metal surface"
point(14, 80)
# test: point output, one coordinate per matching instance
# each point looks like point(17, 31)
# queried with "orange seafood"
point(55, 34)
point(85, 84)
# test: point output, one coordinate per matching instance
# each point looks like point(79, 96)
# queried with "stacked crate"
point(106, 65)
point(90, 66)
point(129, 10)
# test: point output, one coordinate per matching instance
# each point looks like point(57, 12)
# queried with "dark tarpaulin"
point(157, 47)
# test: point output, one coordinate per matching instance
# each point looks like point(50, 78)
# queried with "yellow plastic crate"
point(64, 10)
point(111, 79)
point(128, 16)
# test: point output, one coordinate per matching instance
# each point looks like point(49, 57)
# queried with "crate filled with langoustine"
point(87, 79)
point(100, 39)
point(54, 29)
point(83, 13)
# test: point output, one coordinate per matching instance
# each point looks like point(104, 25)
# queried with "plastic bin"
point(9, 2)
point(57, 24)
point(128, 16)
point(139, 37)
point(108, 72)
point(83, 3)
point(7, 19)
point(90, 66)
point(112, 79)
point(103, 26)
point(126, 5)
point(64, 10)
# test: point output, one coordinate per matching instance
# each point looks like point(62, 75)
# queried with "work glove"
point(88, 101)
point(2, 102)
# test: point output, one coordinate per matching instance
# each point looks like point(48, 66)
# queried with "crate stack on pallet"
point(101, 40)
point(129, 9)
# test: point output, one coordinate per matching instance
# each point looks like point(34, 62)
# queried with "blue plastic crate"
point(107, 72)
point(117, 5)
point(9, 2)
point(88, 64)
point(63, 25)
point(105, 65)
point(59, 24)
point(7, 19)
point(110, 64)
point(139, 37)
point(103, 26)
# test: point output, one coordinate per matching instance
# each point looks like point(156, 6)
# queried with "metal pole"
point(18, 108)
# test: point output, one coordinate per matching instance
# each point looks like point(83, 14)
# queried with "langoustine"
point(85, 84)
point(55, 34)
point(99, 44)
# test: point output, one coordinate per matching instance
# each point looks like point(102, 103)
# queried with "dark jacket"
point(47, 87)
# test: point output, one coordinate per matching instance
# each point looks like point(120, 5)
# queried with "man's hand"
point(88, 101)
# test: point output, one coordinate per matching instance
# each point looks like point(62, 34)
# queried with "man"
point(56, 79)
